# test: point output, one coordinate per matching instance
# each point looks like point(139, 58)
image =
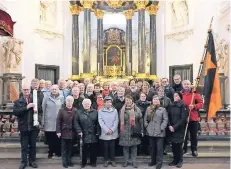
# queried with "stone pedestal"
point(12, 85)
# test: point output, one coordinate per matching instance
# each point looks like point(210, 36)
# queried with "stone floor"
point(7, 165)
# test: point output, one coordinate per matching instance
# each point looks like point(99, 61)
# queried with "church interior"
point(113, 40)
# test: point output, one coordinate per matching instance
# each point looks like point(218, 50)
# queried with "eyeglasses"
point(99, 97)
point(26, 89)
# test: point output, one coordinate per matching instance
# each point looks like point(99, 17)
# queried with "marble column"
point(75, 11)
point(87, 5)
point(141, 5)
point(99, 14)
point(152, 9)
point(128, 14)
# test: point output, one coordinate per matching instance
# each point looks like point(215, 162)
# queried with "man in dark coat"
point(168, 90)
point(177, 86)
point(24, 108)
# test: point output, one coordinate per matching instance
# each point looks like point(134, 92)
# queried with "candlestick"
point(35, 115)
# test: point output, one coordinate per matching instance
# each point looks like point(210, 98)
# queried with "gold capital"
point(152, 9)
point(141, 4)
point(99, 13)
point(75, 9)
point(87, 4)
point(115, 3)
point(129, 13)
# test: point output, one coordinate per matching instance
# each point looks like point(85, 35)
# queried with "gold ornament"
point(87, 4)
point(128, 14)
point(114, 3)
point(99, 13)
point(141, 4)
point(152, 9)
point(75, 9)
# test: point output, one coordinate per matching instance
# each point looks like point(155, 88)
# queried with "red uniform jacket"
point(197, 102)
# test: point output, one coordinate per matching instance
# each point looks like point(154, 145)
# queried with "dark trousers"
point(66, 145)
point(177, 152)
point(54, 143)
point(192, 129)
point(143, 148)
point(92, 149)
point(156, 144)
point(109, 148)
point(28, 142)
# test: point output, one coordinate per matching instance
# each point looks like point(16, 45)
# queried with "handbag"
point(136, 131)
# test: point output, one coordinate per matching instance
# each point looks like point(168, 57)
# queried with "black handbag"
point(136, 131)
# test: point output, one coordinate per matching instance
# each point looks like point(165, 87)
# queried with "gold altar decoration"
point(75, 9)
point(99, 13)
point(115, 3)
point(152, 9)
point(87, 4)
point(145, 76)
point(129, 14)
point(141, 4)
point(114, 37)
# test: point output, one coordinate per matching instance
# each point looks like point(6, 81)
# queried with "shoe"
point(113, 164)
point(33, 165)
point(125, 164)
point(134, 165)
point(22, 166)
point(65, 166)
point(93, 165)
point(185, 151)
point(70, 164)
point(105, 164)
point(165, 153)
point(179, 164)
point(151, 164)
point(50, 156)
point(173, 163)
point(83, 165)
point(194, 154)
point(58, 155)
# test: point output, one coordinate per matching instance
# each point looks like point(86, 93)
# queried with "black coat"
point(65, 123)
point(177, 119)
point(177, 87)
point(24, 115)
point(87, 123)
point(78, 103)
point(169, 92)
point(142, 105)
point(118, 104)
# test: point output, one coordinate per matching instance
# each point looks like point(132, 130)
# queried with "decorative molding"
point(46, 34)
point(152, 9)
point(180, 36)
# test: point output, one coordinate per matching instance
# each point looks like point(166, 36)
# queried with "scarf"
point(133, 90)
point(131, 111)
point(100, 104)
point(151, 112)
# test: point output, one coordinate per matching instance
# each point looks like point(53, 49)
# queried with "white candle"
point(35, 115)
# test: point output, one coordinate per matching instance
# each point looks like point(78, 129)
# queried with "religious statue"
point(222, 50)
point(48, 13)
point(11, 51)
point(180, 13)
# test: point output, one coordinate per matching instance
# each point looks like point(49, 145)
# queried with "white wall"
point(39, 48)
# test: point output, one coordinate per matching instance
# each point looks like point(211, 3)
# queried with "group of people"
point(133, 115)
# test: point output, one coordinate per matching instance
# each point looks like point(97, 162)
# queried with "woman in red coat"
point(194, 106)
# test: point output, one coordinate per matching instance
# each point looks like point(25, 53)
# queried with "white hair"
point(71, 98)
point(42, 81)
point(186, 81)
point(85, 101)
point(120, 89)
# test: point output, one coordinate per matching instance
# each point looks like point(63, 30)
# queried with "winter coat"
point(142, 105)
point(125, 138)
point(118, 104)
point(64, 93)
point(113, 95)
point(24, 115)
point(165, 102)
point(169, 92)
point(87, 123)
point(108, 120)
point(177, 87)
point(78, 103)
point(51, 108)
point(65, 122)
point(197, 102)
point(177, 119)
point(156, 127)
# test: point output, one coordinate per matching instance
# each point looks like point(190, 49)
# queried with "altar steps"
point(209, 152)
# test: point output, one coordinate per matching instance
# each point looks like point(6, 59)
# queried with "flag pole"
point(197, 80)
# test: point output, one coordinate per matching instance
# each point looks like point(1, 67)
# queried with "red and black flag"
point(212, 90)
